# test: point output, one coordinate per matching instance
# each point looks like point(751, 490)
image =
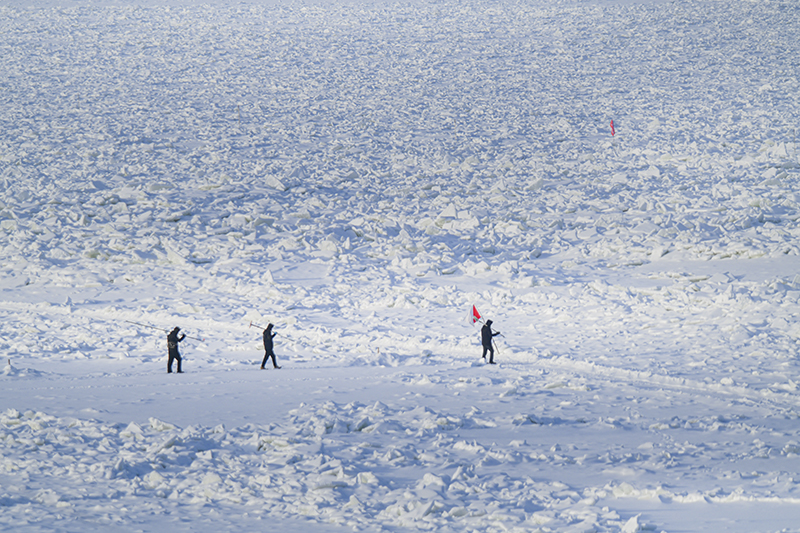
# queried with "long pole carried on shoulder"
point(145, 325)
point(274, 332)
point(161, 329)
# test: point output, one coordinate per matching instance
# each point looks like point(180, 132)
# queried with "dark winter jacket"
point(268, 335)
point(173, 340)
point(487, 334)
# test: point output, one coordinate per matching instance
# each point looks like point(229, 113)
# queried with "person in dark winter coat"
point(268, 335)
point(486, 340)
point(172, 347)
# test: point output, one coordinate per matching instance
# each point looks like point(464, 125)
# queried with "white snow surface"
point(360, 175)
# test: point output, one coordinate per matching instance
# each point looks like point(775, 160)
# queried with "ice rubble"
point(360, 176)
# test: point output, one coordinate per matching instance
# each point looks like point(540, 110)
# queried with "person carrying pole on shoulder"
point(486, 341)
point(172, 348)
point(268, 351)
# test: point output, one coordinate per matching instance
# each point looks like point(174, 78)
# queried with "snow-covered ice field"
point(360, 175)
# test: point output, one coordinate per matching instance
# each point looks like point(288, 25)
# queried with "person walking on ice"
point(172, 348)
point(486, 341)
point(268, 336)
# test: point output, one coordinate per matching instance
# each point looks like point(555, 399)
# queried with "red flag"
point(612, 128)
point(475, 315)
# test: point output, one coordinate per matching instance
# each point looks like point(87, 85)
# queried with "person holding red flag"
point(486, 341)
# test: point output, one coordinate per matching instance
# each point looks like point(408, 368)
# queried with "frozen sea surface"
point(361, 174)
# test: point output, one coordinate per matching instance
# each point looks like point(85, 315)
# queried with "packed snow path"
point(361, 174)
